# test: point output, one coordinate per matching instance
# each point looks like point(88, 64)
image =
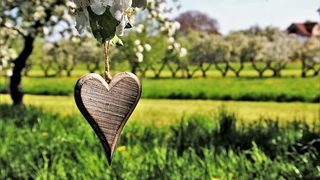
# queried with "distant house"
point(305, 30)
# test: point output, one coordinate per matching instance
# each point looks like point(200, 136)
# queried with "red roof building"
point(305, 30)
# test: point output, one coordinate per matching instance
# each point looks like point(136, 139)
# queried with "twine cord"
point(107, 74)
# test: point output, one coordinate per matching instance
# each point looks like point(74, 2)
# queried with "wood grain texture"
point(107, 107)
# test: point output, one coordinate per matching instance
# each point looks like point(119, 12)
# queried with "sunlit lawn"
point(286, 89)
point(164, 112)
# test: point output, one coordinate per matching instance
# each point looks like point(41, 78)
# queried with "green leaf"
point(103, 26)
point(139, 3)
point(116, 41)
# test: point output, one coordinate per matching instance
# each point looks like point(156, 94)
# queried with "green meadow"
point(209, 128)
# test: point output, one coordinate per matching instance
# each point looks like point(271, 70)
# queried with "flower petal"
point(117, 14)
point(120, 28)
point(97, 7)
point(107, 2)
point(82, 21)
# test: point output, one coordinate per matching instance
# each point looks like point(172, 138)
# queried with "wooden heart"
point(107, 107)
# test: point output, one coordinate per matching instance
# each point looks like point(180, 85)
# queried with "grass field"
point(240, 89)
point(166, 112)
point(40, 145)
point(176, 132)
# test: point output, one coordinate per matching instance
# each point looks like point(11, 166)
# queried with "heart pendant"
point(107, 107)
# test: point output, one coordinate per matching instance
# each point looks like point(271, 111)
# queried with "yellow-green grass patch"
point(165, 112)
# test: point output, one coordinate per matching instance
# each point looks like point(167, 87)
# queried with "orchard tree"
point(27, 68)
point(135, 55)
point(88, 52)
point(197, 21)
point(138, 54)
point(310, 56)
point(239, 52)
point(47, 58)
point(144, 56)
point(255, 54)
point(190, 63)
point(155, 59)
point(201, 54)
point(279, 52)
point(31, 19)
point(158, 9)
point(66, 55)
point(221, 52)
point(268, 32)
point(174, 54)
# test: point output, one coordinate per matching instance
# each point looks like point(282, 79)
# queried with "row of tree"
point(28, 21)
point(64, 55)
point(267, 49)
point(225, 54)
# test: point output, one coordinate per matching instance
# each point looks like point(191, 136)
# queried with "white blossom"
point(97, 7)
point(71, 5)
point(82, 21)
point(139, 28)
point(171, 40)
point(39, 13)
point(177, 25)
point(9, 72)
point(137, 42)
point(147, 47)
point(139, 56)
point(121, 10)
point(140, 48)
point(183, 52)
point(177, 45)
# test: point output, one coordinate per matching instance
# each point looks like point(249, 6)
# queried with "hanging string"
point(107, 74)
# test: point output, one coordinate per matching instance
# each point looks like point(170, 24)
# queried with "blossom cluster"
point(157, 10)
point(310, 50)
point(176, 48)
point(139, 49)
point(280, 49)
point(7, 53)
point(33, 16)
point(121, 10)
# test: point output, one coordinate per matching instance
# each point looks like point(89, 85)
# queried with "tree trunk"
point(204, 73)
point(190, 73)
point(260, 73)
point(303, 69)
point(26, 73)
point(15, 80)
point(224, 70)
point(224, 74)
point(134, 68)
point(46, 74)
point(158, 72)
point(277, 73)
point(143, 74)
point(143, 71)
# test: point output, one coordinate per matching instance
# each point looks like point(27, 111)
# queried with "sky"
point(242, 14)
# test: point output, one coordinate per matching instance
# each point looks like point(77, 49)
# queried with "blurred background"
point(231, 90)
